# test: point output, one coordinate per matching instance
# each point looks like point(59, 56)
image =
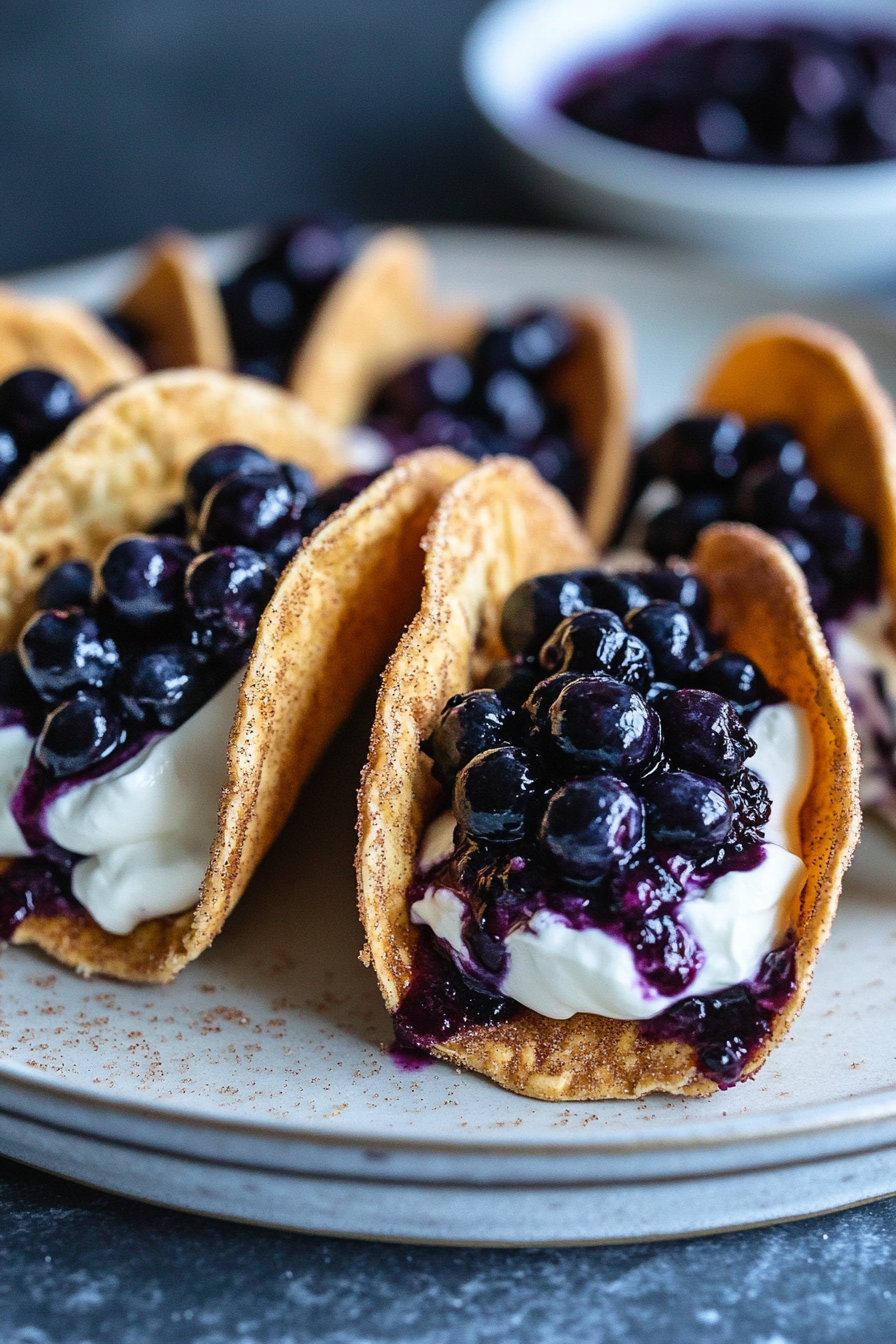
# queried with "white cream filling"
point(146, 828)
point(558, 970)
point(861, 649)
point(15, 753)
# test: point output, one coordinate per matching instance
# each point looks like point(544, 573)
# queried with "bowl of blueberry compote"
point(709, 468)
point(505, 395)
point(116, 705)
point(619, 831)
point(763, 131)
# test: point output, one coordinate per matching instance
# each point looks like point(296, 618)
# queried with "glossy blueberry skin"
point(772, 497)
point(468, 725)
point(226, 592)
point(615, 592)
point(163, 687)
point(539, 338)
point(257, 510)
point(536, 607)
point(174, 522)
point(539, 703)
point(325, 504)
point(512, 681)
point(78, 734)
point(590, 826)
point(141, 579)
point(686, 812)
point(599, 725)
point(513, 404)
point(698, 453)
point(36, 405)
point(68, 585)
point(752, 805)
point(673, 585)
point(441, 382)
point(674, 531)
point(313, 252)
point(703, 734)
point(766, 441)
point(597, 641)
point(809, 561)
point(265, 314)
point(494, 795)
point(675, 643)
point(64, 650)
point(215, 465)
point(12, 459)
point(734, 677)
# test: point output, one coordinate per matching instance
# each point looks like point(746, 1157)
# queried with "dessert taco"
point(605, 816)
point(173, 312)
point(58, 335)
point(165, 704)
point(549, 384)
point(793, 433)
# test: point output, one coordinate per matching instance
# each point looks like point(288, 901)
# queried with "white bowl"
point(811, 225)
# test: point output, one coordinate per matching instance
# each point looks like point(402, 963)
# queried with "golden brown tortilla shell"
point(337, 611)
point(382, 315)
point(378, 317)
point(495, 527)
point(176, 303)
point(124, 460)
point(55, 334)
point(818, 380)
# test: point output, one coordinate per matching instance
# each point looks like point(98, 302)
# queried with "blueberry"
point(539, 338)
point(543, 696)
point(494, 795)
point(36, 405)
point(847, 547)
point(772, 497)
point(590, 826)
point(766, 441)
point(674, 531)
point(468, 725)
point(686, 812)
point(79, 733)
point(699, 453)
point(163, 687)
point(597, 725)
point(226, 592)
point(174, 522)
point(673, 639)
point(227, 459)
point(328, 501)
point(514, 404)
point(615, 592)
point(752, 805)
point(674, 585)
point(809, 561)
point(513, 681)
point(313, 252)
point(535, 608)
point(597, 641)
point(558, 462)
point(264, 312)
point(467, 434)
point(703, 733)
point(658, 691)
point(12, 459)
point(16, 691)
point(62, 650)
point(444, 381)
point(737, 679)
point(300, 481)
point(141, 579)
point(257, 510)
point(68, 585)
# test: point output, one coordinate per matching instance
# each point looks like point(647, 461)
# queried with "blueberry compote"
point(499, 399)
point(600, 776)
point(122, 654)
point(780, 94)
point(36, 405)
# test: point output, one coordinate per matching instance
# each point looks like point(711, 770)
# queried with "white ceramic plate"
point(257, 1086)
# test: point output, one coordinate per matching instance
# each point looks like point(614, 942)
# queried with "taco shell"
point(176, 303)
point(58, 335)
point(122, 462)
point(338, 610)
point(495, 527)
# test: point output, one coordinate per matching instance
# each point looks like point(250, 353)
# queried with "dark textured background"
point(116, 117)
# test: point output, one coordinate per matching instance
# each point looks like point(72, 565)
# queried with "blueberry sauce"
point(409, 1059)
point(784, 95)
point(125, 653)
point(498, 399)
point(583, 800)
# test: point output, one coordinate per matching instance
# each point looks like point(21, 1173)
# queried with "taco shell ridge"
point(495, 527)
point(337, 611)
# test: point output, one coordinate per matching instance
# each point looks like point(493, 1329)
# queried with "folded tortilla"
point(58, 335)
point(175, 301)
point(122, 462)
point(497, 526)
point(335, 615)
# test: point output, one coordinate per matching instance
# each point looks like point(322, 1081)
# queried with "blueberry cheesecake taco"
point(606, 815)
point(793, 433)
point(164, 705)
point(306, 284)
point(403, 371)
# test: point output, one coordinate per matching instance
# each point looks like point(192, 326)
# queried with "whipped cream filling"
point(866, 660)
point(558, 970)
point(146, 828)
